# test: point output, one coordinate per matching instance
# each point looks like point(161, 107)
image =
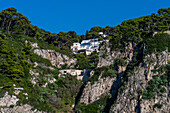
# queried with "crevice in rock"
point(77, 98)
point(123, 77)
point(138, 108)
point(110, 102)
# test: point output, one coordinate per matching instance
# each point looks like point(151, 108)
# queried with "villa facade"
point(86, 46)
point(80, 74)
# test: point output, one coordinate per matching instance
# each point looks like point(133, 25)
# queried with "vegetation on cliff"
point(17, 59)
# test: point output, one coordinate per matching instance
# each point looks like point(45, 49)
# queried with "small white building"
point(100, 33)
point(87, 46)
point(80, 74)
point(85, 41)
point(73, 72)
point(75, 47)
point(76, 44)
point(104, 35)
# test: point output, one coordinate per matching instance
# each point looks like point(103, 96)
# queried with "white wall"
point(85, 41)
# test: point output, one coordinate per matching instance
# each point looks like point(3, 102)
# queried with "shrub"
point(157, 106)
point(159, 42)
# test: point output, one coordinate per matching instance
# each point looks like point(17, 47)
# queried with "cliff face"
point(130, 100)
point(148, 106)
point(57, 59)
point(9, 105)
point(127, 90)
point(93, 92)
point(107, 56)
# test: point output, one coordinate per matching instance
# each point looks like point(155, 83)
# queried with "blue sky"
point(81, 15)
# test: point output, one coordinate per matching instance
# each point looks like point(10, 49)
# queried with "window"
point(82, 73)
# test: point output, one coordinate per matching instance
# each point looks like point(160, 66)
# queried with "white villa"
point(86, 46)
point(80, 74)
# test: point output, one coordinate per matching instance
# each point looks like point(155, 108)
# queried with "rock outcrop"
point(19, 109)
point(93, 92)
point(8, 100)
point(57, 59)
point(107, 57)
point(8, 104)
point(130, 100)
point(149, 106)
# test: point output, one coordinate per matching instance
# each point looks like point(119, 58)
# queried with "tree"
point(37, 35)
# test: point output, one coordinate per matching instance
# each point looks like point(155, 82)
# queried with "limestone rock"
point(8, 100)
point(93, 92)
point(130, 101)
point(19, 109)
point(57, 59)
point(112, 55)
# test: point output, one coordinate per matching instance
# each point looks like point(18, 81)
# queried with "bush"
point(159, 42)
point(96, 107)
point(107, 71)
point(156, 85)
point(3, 36)
point(157, 106)
point(11, 106)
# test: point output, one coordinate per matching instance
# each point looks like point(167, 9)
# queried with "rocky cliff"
point(93, 92)
point(108, 56)
point(8, 104)
point(57, 59)
point(130, 99)
point(132, 82)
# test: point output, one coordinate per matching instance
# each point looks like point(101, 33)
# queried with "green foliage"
point(9, 68)
point(14, 69)
point(67, 90)
point(17, 58)
point(3, 36)
point(39, 59)
point(15, 23)
point(97, 29)
point(96, 107)
point(139, 29)
point(82, 61)
point(121, 62)
point(93, 35)
point(87, 62)
point(105, 71)
point(2, 93)
point(82, 108)
point(100, 39)
point(157, 106)
point(41, 43)
point(160, 42)
point(37, 35)
point(156, 85)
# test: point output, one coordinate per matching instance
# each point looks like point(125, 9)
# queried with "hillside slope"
point(131, 70)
